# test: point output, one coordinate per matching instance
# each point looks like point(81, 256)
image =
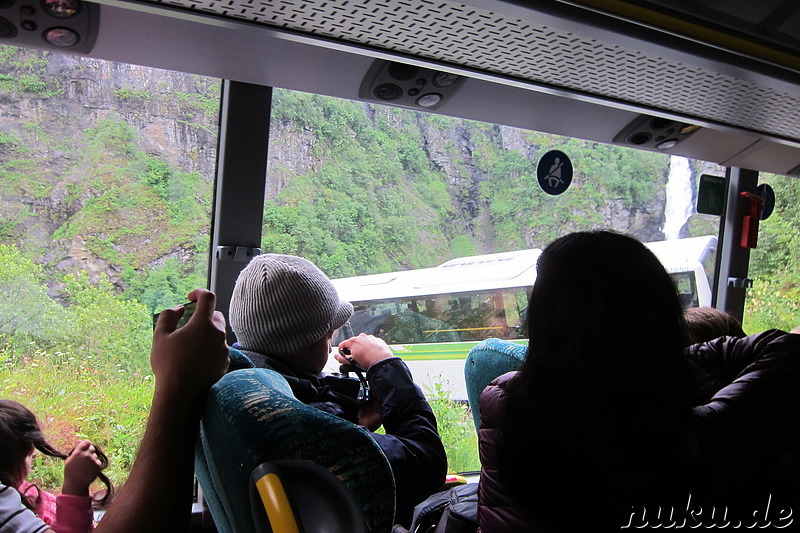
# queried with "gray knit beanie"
point(282, 304)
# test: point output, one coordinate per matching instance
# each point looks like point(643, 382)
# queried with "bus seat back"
point(239, 360)
point(488, 360)
point(251, 417)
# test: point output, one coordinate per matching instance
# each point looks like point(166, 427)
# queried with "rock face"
point(55, 164)
point(290, 154)
point(50, 104)
point(162, 105)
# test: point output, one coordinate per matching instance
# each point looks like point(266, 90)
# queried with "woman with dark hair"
point(598, 425)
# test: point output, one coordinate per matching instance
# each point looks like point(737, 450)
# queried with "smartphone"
point(188, 311)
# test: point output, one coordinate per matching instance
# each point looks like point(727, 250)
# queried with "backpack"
point(451, 511)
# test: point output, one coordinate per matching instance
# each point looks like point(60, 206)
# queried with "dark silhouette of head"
point(595, 417)
point(707, 323)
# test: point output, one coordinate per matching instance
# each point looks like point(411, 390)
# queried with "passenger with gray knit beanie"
point(284, 311)
point(282, 304)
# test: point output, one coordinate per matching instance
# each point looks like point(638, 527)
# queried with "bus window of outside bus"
point(439, 318)
point(687, 289)
point(362, 189)
point(105, 201)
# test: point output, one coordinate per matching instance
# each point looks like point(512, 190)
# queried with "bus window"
point(106, 179)
point(687, 261)
point(514, 305)
point(437, 318)
point(774, 299)
point(431, 225)
point(419, 315)
point(104, 223)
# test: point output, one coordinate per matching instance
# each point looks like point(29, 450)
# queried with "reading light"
point(61, 9)
point(689, 128)
point(429, 100)
point(445, 79)
point(61, 37)
point(666, 145)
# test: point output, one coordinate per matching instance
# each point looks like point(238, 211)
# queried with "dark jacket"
point(749, 431)
point(496, 511)
point(744, 441)
point(411, 443)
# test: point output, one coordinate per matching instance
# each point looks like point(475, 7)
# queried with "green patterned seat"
point(488, 360)
point(251, 417)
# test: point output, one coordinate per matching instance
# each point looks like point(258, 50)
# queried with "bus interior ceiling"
point(571, 68)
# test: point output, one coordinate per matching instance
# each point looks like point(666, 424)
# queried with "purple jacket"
point(744, 440)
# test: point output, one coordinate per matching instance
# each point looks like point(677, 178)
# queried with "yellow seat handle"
point(276, 504)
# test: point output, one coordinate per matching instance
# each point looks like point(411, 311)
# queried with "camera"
point(188, 310)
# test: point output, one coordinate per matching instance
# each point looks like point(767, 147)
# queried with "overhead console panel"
point(390, 82)
point(655, 133)
point(69, 26)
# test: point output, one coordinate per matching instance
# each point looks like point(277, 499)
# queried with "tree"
point(26, 310)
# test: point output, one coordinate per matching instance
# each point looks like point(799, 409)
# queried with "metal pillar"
point(240, 185)
point(733, 261)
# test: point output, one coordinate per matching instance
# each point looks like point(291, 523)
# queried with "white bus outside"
point(432, 317)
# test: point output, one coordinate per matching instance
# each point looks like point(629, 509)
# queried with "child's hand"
point(80, 469)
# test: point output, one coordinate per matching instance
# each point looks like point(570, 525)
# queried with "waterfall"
point(679, 205)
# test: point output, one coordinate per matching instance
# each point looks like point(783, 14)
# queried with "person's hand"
point(80, 469)
point(369, 415)
point(796, 330)
point(187, 361)
point(365, 350)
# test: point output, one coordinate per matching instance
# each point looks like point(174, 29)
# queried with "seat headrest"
point(488, 360)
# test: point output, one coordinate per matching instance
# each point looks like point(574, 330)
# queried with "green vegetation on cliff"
point(774, 300)
point(387, 177)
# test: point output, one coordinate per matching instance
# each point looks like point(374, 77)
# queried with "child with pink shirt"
point(70, 511)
